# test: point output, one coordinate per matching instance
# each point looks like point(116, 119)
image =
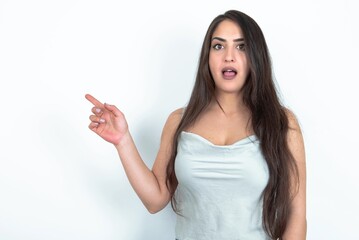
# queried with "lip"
point(229, 73)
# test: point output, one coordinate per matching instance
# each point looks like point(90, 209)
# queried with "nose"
point(229, 57)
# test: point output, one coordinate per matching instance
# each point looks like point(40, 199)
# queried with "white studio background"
point(58, 180)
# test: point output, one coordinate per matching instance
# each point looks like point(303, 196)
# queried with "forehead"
point(228, 29)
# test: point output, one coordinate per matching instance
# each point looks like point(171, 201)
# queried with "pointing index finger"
point(93, 100)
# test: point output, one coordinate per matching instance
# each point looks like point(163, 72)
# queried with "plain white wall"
point(58, 180)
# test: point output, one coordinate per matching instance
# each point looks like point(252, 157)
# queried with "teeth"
point(229, 70)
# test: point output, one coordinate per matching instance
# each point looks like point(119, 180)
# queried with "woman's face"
point(227, 59)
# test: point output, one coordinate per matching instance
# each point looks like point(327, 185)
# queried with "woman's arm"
point(110, 124)
point(297, 225)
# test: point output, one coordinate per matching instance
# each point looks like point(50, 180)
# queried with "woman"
point(232, 162)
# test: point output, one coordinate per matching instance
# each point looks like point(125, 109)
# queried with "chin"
point(229, 90)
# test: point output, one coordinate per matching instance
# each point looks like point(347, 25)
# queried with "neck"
point(230, 103)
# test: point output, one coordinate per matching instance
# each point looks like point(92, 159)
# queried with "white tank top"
point(219, 189)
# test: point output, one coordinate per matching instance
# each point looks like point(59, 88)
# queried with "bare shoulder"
point(292, 121)
point(295, 137)
point(172, 122)
point(176, 115)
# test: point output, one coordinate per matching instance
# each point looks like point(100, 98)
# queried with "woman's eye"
point(241, 47)
point(217, 46)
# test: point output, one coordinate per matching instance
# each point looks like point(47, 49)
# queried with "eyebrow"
point(224, 40)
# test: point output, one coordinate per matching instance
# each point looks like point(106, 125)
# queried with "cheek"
point(212, 65)
point(245, 65)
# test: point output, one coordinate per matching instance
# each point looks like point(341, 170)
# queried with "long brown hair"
point(268, 118)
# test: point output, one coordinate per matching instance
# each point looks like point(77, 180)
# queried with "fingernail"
point(102, 120)
point(98, 110)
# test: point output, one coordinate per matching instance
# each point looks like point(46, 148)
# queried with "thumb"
point(113, 109)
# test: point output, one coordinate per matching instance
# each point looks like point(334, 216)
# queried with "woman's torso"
point(220, 185)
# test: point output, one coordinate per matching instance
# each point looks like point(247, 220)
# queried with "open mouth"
point(229, 73)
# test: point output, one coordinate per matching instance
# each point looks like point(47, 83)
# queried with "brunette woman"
point(232, 161)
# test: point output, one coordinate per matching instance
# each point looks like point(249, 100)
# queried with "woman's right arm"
point(150, 185)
